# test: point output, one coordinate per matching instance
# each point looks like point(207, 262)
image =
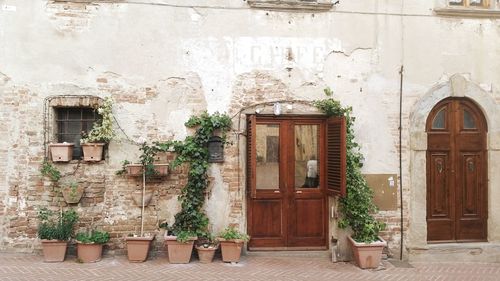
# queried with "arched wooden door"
point(457, 208)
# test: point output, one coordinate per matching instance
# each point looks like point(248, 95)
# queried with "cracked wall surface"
point(163, 61)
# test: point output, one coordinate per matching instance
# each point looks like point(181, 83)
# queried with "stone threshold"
point(456, 252)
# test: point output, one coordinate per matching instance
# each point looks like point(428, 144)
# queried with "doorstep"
point(456, 252)
point(308, 254)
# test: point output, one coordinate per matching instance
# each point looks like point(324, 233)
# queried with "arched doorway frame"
point(456, 86)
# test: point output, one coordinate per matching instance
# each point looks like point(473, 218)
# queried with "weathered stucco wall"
point(163, 62)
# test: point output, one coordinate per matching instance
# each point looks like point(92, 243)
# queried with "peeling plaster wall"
point(162, 63)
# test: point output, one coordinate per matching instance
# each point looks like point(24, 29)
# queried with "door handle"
point(276, 191)
point(298, 191)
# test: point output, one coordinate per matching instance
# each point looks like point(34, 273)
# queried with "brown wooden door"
point(456, 172)
point(287, 202)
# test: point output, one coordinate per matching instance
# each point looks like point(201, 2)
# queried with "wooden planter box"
point(61, 152)
point(367, 255)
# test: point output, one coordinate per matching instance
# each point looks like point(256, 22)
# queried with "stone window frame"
point(304, 5)
point(68, 101)
point(489, 9)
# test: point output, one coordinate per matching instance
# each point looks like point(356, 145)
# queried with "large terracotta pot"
point(367, 255)
point(231, 250)
point(92, 151)
point(61, 152)
point(179, 252)
point(138, 248)
point(54, 250)
point(206, 255)
point(89, 252)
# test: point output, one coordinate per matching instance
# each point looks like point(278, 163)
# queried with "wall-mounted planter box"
point(135, 170)
point(61, 152)
point(137, 197)
point(92, 152)
point(72, 195)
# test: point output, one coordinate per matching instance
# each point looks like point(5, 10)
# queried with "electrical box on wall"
point(385, 189)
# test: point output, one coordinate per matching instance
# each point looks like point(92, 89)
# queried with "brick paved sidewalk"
point(31, 267)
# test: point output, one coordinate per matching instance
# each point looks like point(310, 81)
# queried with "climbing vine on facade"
point(193, 151)
point(357, 206)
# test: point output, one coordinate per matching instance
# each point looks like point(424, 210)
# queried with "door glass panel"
point(306, 156)
point(267, 147)
point(439, 120)
point(469, 120)
point(456, 2)
point(476, 2)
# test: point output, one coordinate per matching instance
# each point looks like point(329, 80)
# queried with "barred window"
point(71, 122)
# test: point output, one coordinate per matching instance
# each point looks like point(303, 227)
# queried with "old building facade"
point(163, 61)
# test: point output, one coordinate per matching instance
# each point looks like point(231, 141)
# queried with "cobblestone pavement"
point(32, 267)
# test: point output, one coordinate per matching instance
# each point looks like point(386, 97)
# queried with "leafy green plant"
point(94, 237)
point(54, 225)
point(357, 206)
point(123, 170)
point(193, 151)
point(102, 131)
point(48, 170)
point(231, 233)
point(73, 192)
point(184, 236)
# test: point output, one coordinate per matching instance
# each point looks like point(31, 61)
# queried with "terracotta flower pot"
point(89, 252)
point(54, 250)
point(231, 250)
point(72, 195)
point(135, 170)
point(92, 151)
point(179, 252)
point(61, 152)
point(206, 255)
point(137, 197)
point(138, 248)
point(367, 255)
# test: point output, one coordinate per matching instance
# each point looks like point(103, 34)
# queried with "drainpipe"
point(401, 158)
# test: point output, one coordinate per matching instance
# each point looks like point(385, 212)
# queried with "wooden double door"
point(287, 202)
point(457, 208)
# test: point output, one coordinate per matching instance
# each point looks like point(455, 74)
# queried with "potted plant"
point(231, 242)
point(102, 132)
point(89, 245)
point(357, 207)
point(138, 247)
point(54, 230)
point(141, 198)
point(72, 193)
point(180, 246)
point(61, 152)
point(206, 247)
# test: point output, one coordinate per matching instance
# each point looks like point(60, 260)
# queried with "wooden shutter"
point(251, 157)
point(336, 156)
